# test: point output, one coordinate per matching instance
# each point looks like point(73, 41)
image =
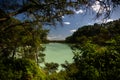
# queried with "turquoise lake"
point(58, 53)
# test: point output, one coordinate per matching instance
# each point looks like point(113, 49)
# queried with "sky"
point(72, 22)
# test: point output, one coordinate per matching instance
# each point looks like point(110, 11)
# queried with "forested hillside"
point(97, 33)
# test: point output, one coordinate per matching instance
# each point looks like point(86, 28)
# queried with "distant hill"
point(58, 41)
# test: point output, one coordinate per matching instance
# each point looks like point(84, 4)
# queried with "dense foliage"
point(98, 33)
point(20, 69)
point(20, 41)
point(96, 57)
point(50, 11)
point(21, 50)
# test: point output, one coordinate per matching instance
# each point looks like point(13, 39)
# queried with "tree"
point(20, 50)
point(93, 62)
point(97, 33)
point(29, 36)
point(22, 41)
point(35, 10)
point(20, 69)
point(50, 11)
point(51, 67)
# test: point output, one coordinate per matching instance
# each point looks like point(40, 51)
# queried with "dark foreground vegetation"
point(96, 54)
point(96, 51)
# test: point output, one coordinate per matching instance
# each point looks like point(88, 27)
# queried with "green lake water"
point(58, 53)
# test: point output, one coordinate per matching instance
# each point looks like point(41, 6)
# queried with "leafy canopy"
point(50, 11)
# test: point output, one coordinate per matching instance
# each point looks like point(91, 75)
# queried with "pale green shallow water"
point(58, 53)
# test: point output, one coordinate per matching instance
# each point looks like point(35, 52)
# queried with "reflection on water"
point(58, 53)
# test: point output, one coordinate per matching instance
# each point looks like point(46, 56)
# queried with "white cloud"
point(96, 7)
point(79, 11)
point(67, 23)
point(90, 23)
point(108, 20)
point(100, 8)
point(104, 20)
point(63, 16)
point(73, 30)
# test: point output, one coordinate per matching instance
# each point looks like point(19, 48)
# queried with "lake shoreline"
point(58, 53)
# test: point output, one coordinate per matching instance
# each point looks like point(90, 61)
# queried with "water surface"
point(58, 53)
